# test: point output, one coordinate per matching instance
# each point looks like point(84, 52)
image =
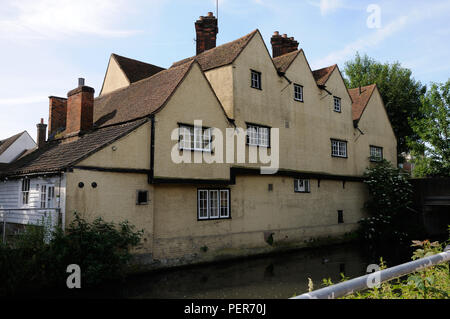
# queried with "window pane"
point(202, 204)
point(263, 134)
point(214, 203)
point(186, 134)
point(207, 140)
point(224, 204)
point(252, 133)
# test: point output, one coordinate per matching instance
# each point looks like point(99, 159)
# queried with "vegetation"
point(389, 218)
point(431, 151)
point(429, 283)
point(101, 249)
point(400, 92)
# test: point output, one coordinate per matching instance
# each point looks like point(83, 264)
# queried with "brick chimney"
point(41, 133)
point(57, 115)
point(206, 29)
point(80, 108)
point(282, 44)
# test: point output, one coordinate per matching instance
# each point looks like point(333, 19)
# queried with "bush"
point(429, 283)
point(390, 195)
point(101, 249)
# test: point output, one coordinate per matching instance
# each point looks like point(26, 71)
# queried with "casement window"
point(298, 92)
point(376, 154)
point(337, 104)
point(141, 197)
point(256, 80)
point(338, 148)
point(213, 204)
point(302, 186)
point(25, 191)
point(258, 135)
point(193, 138)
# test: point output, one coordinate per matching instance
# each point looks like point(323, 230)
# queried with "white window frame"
point(194, 138)
point(213, 204)
point(25, 191)
point(302, 185)
point(298, 92)
point(339, 148)
point(43, 196)
point(376, 153)
point(337, 104)
point(258, 135)
point(256, 80)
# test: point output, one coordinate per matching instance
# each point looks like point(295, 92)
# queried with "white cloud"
point(363, 43)
point(379, 35)
point(329, 6)
point(23, 100)
point(55, 18)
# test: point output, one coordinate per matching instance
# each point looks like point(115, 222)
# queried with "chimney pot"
point(80, 82)
point(282, 45)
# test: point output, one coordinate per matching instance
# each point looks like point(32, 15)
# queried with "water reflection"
point(278, 276)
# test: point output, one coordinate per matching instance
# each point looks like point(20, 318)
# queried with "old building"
point(113, 156)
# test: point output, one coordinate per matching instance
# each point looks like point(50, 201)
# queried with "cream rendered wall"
point(131, 151)
point(193, 100)
point(114, 78)
point(306, 144)
point(114, 199)
point(377, 132)
point(255, 213)
point(221, 80)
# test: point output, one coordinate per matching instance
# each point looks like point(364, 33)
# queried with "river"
point(275, 276)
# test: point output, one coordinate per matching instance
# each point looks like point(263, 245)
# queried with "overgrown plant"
point(101, 249)
point(428, 283)
point(390, 195)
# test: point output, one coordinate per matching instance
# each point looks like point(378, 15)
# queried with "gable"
point(114, 78)
point(374, 116)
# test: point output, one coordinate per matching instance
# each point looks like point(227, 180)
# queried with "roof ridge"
point(212, 51)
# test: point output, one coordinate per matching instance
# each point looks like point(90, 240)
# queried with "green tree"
point(431, 152)
point(400, 92)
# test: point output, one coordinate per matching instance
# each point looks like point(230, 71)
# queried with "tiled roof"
point(140, 99)
point(219, 56)
point(322, 75)
point(59, 154)
point(136, 70)
point(360, 100)
point(7, 142)
point(284, 61)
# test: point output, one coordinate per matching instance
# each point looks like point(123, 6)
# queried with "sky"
point(46, 45)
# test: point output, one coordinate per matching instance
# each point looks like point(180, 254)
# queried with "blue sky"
point(47, 44)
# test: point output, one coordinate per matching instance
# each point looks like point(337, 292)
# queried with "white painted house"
point(15, 146)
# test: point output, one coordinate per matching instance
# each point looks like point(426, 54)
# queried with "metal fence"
point(12, 219)
point(369, 281)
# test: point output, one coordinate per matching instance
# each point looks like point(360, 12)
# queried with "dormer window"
point(337, 104)
point(256, 80)
point(298, 92)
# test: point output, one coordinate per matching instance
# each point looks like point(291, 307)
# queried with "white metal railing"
point(46, 217)
point(368, 281)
